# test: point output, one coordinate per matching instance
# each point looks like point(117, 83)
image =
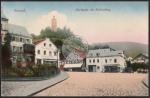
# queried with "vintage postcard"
point(74, 48)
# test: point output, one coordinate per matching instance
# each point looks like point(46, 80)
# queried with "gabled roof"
point(81, 54)
point(105, 52)
point(140, 54)
point(18, 30)
point(39, 41)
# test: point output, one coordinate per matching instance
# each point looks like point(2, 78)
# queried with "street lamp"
point(58, 51)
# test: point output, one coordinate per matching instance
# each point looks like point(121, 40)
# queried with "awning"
point(49, 60)
point(112, 65)
point(72, 65)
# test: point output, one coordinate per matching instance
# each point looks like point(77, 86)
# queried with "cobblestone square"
point(99, 84)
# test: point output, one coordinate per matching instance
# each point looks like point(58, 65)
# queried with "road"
point(99, 84)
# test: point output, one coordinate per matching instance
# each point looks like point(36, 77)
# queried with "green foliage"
point(29, 72)
point(38, 70)
point(6, 49)
point(136, 66)
point(59, 34)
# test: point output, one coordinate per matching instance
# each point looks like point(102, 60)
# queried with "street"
point(99, 84)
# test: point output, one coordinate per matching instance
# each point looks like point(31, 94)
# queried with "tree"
point(128, 64)
point(6, 50)
point(105, 46)
point(96, 47)
point(58, 43)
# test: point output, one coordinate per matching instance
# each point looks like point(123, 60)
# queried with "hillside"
point(130, 48)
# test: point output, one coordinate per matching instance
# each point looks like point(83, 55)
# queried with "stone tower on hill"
point(54, 24)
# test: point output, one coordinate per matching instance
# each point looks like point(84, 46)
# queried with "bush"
point(37, 71)
point(29, 73)
point(21, 73)
point(136, 66)
point(13, 74)
point(30, 63)
point(19, 64)
point(9, 63)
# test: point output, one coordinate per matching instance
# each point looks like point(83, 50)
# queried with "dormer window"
point(97, 54)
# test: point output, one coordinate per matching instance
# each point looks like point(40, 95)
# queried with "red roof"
point(37, 42)
point(81, 54)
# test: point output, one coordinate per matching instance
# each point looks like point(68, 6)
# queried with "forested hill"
point(48, 33)
point(130, 48)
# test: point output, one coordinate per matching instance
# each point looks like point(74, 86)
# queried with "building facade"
point(54, 24)
point(75, 61)
point(105, 60)
point(141, 58)
point(4, 26)
point(20, 36)
point(46, 52)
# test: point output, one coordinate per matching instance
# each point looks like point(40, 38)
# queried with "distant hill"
point(130, 48)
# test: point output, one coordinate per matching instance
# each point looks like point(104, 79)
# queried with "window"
point(44, 52)
point(38, 51)
point(50, 53)
point(49, 45)
point(44, 44)
point(97, 60)
point(17, 39)
point(27, 41)
point(20, 39)
point(105, 60)
point(39, 61)
point(24, 41)
point(55, 53)
point(14, 48)
point(115, 60)
point(20, 48)
point(13, 38)
point(89, 60)
point(93, 60)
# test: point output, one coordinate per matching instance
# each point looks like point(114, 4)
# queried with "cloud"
point(45, 21)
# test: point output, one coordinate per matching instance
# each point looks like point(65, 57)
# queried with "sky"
point(96, 22)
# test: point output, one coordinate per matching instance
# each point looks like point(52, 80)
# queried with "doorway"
point(92, 68)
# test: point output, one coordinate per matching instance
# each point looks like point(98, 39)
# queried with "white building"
point(105, 60)
point(19, 34)
point(141, 58)
point(46, 52)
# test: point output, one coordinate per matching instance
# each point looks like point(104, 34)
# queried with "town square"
point(74, 48)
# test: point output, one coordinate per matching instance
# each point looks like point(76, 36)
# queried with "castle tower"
point(54, 24)
point(4, 26)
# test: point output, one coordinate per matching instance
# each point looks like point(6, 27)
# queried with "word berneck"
point(19, 10)
point(96, 9)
